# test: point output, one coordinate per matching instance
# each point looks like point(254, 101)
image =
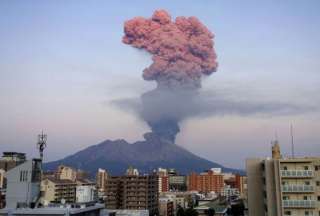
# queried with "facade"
point(66, 173)
point(10, 160)
point(101, 179)
point(178, 183)
point(285, 186)
point(163, 180)
point(132, 192)
point(241, 184)
point(166, 207)
point(206, 182)
point(57, 190)
point(2, 184)
point(85, 193)
point(23, 184)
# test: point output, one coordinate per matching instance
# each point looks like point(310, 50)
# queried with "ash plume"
point(182, 52)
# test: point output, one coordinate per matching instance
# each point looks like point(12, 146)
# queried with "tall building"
point(206, 182)
point(2, 183)
point(132, 192)
point(283, 186)
point(163, 180)
point(101, 179)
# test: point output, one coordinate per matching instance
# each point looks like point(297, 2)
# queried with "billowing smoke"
point(182, 52)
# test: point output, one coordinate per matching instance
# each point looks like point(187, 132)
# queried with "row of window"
point(316, 168)
point(306, 213)
point(304, 198)
point(23, 175)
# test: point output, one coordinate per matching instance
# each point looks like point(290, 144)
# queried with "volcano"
point(116, 156)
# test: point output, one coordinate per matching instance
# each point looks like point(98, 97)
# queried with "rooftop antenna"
point(42, 143)
point(292, 143)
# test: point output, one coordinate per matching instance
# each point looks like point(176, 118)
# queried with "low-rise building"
point(86, 193)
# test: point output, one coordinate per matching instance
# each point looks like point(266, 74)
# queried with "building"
point(241, 184)
point(23, 183)
point(10, 160)
point(230, 192)
point(205, 182)
point(163, 180)
point(2, 181)
point(178, 183)
point(101, 179)
point(220, 207)
point(132, 192)
point(66, 173)
point(58, 190)
point(132, 171)
point(283, 186)
point(85, 193)
point(166, 207)
point(63, 185)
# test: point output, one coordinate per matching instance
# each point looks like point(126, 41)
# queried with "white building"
point(85, 194)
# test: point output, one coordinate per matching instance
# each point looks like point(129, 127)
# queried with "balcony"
point(299, 203)
point(297, 173)
point(297, 188)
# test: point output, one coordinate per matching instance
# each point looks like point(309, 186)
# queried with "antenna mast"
point(292, 143)
point(42, 143)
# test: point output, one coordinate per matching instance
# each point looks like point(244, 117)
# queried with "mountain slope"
point(116, 156)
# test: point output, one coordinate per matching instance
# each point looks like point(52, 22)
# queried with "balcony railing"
point(297, 188)
point(299, 203)
point(297, 173)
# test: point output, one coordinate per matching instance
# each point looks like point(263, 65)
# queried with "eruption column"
point(182, 52)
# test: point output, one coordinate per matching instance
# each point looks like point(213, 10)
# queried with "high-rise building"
point(101, 179)
point(163, 180)
point(206, 182)
point(283, 186)
point(2, 184)
point(132, 192)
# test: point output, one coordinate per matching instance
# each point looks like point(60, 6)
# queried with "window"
point(285, 197)
point(318, 183)
point(287, 212)
point(306, 213)
point(285, 168)
point(318, 198)
point(307, 183)
point(306, 168)
point(316, 168)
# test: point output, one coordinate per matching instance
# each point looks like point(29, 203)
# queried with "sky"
point(62, 63)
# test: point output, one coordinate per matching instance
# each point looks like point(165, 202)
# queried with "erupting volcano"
point(182, 52)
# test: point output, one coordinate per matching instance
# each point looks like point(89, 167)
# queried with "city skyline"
point(63, 65)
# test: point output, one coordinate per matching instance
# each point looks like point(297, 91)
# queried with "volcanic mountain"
point(116, 156)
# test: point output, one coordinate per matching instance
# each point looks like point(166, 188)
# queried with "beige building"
point(101, 179)
point(54, 190)
point(2, 172)
point(283, 186)
point(66, 173)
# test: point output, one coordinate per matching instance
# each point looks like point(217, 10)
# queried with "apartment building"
point(206, 182)
point(132, 192)
point(56, 190)
point(284, 186)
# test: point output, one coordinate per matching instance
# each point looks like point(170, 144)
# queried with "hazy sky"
point(62, 62)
